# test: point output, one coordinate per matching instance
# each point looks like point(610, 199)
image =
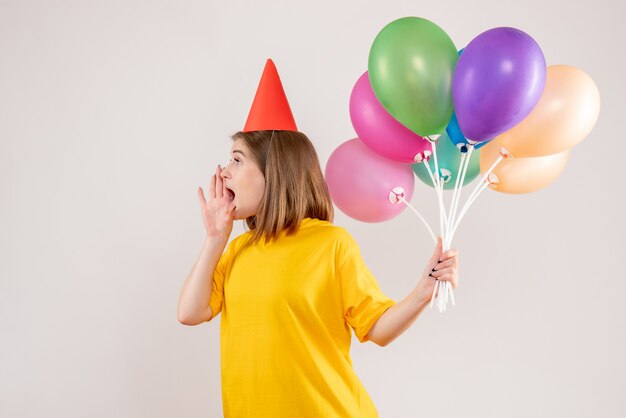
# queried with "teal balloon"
point(448, 158)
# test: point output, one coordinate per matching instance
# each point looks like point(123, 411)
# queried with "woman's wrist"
point(216, 239)
point(422, 294)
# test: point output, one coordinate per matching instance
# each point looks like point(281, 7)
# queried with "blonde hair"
point(294, 184)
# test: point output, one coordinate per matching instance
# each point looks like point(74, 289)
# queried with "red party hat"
point(270, 109)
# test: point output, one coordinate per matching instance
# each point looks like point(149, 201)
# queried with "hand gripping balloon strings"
point(397, 195)
point(442, 299)
point(446, 287)
point(438, 190)
point(488, 179)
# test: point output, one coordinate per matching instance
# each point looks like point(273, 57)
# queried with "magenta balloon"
point(378, 129)
point(360, 181)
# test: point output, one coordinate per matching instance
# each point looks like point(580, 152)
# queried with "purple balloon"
point(360, 182)
point(379, 130)
point(497, 82)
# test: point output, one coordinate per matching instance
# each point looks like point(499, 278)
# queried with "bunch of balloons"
point(422, 109)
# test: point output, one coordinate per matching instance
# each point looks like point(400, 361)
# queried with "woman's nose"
point(224, 173)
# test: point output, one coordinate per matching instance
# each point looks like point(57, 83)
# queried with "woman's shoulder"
point(309, 227)
point(328, 230)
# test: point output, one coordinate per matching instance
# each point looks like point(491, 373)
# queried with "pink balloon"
point(379, 130)
point(361, 182)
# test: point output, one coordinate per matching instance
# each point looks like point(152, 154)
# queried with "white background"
point(113, 113)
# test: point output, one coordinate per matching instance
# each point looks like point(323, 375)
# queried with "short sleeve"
point(363, 300)
point(219, 276)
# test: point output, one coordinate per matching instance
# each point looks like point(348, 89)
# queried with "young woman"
point(292, 287)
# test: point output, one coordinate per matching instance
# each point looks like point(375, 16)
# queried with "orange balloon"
point(521, 175)
point(565, 114)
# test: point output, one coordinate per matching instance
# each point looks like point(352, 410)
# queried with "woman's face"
point(243, 177)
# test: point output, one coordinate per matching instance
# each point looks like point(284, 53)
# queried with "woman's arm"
point(193, 305)
point(401, 316)
point(398, 318)
point(218, 216)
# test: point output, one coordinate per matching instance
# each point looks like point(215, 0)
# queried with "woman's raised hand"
point(218, 213)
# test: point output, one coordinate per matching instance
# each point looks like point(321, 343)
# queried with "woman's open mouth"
point(231, 194)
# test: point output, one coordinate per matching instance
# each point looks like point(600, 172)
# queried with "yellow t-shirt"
point(287, 309)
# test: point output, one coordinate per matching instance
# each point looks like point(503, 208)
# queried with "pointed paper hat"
point(270, 109)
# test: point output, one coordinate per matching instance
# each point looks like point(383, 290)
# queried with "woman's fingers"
point(219, 186)
point(451, 262)
point(212, 187)
point(449, 254)
point(438, 274)
point(201, 197)
point(453, 278)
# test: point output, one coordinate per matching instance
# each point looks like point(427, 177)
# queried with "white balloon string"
point(479, 188)
point(468, 156)
point(456, 184)
point(440, 297)
point(432, 298)
point(435, 185)
point(434, 148)
point(438, 186)
point(440, 183)
point(444, 215)
point(458, 198)
point(467, 205)
point(432, 234)
point(452, 295)
point(485, 176)
point(455, 195)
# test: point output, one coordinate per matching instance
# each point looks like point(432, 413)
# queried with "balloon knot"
point(433, 137)
point(420, 157)
point(396, 195)
point(504, 153)
point(492, 181)
point(446, 175)
point(462, 147)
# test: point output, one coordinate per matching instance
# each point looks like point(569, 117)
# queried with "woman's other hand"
point(441, 266)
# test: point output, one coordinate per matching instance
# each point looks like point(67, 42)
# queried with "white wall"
point(112, 113)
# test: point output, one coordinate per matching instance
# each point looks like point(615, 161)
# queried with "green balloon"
point(448, 159)
point(410, 68)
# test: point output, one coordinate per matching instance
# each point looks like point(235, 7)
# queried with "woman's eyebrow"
point(240, 152)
